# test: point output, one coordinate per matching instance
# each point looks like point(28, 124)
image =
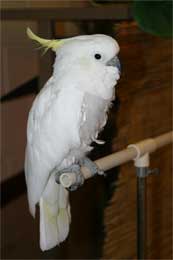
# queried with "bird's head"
point(91, 59)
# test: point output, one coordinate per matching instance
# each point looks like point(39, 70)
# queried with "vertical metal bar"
point(141, 212)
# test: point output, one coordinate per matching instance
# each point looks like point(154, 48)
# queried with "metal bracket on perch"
point(143, 162)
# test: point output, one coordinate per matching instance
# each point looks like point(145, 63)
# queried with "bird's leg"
point(75, 168)
point(94, 169)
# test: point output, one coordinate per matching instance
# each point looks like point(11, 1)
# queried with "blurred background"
point(104, 209)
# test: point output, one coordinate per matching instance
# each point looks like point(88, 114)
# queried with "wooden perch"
point(132, 152)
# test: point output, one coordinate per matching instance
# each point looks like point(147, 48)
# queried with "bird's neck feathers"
point(97, 81)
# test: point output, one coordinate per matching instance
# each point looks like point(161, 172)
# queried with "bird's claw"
point(94, 169)
point(75, 168)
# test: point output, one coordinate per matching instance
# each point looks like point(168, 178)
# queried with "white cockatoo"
point(64, 120)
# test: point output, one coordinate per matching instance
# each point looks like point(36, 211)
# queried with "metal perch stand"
point(140, 153)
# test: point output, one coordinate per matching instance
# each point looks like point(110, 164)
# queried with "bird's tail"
point(55, 215)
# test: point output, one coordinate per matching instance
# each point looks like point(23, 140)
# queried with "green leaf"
point(154, 17)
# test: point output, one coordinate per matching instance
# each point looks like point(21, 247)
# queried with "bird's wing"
point(53, 130)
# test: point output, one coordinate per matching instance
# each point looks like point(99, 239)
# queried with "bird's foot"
point(94, 169)
point(74, 168)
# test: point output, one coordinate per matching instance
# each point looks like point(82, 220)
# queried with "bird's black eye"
point(97, 56)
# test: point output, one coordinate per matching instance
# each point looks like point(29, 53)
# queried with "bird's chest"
point(93, 118)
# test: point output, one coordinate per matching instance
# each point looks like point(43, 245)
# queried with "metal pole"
point(142, 172)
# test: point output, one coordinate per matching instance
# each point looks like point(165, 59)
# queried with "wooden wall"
point(145, 93)
point(18, 65)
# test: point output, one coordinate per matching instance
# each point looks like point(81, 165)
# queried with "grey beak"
point(114, 62)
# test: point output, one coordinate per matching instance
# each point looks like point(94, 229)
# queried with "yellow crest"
point(47, 44)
